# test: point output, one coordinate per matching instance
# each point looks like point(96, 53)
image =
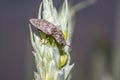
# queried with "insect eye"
point(62, 43)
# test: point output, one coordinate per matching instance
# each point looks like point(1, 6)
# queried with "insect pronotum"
point(50, 29)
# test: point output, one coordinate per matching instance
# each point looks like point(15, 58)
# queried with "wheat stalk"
point(53, 60)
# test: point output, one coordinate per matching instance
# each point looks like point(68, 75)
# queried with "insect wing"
point(59, 37)
point(50, 29)
point(43, 25)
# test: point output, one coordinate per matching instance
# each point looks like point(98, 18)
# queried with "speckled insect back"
point(50, 29)
point(43, 25)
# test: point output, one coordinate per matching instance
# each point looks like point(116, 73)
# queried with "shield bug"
point(50, 29)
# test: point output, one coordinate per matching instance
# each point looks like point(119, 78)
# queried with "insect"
point(50, 29)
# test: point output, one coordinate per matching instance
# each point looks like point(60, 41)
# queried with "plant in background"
point(53, 59)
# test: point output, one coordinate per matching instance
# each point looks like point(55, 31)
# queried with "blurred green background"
point(95, 43)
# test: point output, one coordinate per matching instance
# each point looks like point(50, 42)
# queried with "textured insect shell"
point(43, 25)
point(59, 37)
point(50, 29)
